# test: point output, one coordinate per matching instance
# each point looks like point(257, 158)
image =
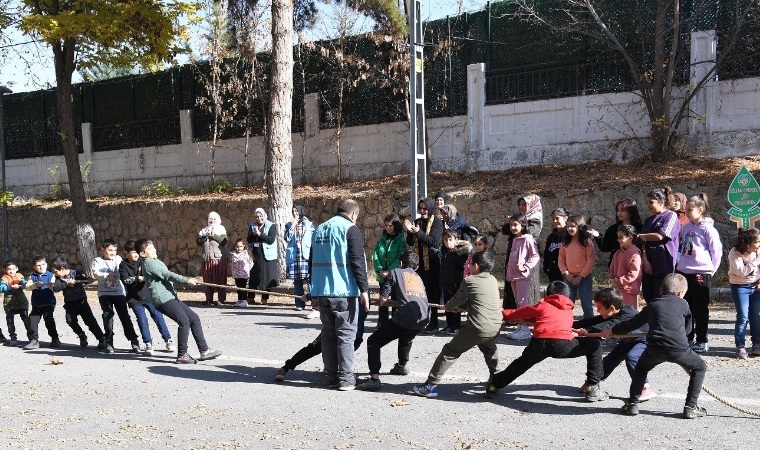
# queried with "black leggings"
point(188, 321)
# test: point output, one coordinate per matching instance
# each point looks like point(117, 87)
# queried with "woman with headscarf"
point(453, 221)
point(213, 240)
point(298, 237)
point(262, 235)
point(530, 205)
point(424, 236)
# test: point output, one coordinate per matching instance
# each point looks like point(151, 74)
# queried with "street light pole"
point(6, 253)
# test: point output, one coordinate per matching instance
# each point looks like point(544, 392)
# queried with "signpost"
point(744, 196)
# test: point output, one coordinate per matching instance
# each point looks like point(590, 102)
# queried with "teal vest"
point(331, 274)
point(270, 250)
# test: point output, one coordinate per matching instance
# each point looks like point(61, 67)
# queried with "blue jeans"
point(747, 302)
point(583, 289)
point(142, 321)
point(298, 289)
point(339, 321)
point(628, 350)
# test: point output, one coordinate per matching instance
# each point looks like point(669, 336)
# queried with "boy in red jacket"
point(552, 338)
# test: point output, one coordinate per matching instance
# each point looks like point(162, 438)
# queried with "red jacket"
point(553, 316)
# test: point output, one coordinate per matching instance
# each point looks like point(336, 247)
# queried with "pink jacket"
point(524, 252)
point(577, 259)
point(626, 269)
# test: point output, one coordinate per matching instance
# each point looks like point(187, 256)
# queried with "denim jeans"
point(142, 321)
point(298, 289)
point(339, 321)
point(628, 350)
point(747, 302)
point(583, 290)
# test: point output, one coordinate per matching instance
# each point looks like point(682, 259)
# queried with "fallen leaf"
point(402, 402)
point(55, 361)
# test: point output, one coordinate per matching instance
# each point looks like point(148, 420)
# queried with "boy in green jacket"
point(159, 280)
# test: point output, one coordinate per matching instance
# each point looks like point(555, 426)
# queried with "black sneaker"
point(630, 408)
point(692, 412)
point(430, 330)
point(491, 390)
point(399, 370)
point(185, 359)
point(370, 384)
point(83, 341)
point(333, 383)
point(102, 343)
point(2, 338)
point(55, 343)
point(135, 346)
point(594, 393)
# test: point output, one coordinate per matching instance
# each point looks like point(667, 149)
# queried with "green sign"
point(744, 195)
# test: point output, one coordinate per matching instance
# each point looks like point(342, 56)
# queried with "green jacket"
point(479, 296)
point(159, 280)
point(13, 299)
point(386, 255)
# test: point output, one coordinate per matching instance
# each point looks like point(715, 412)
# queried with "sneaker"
point(582, 389)
point(298, 308)
point(280, 374)
point(345, 385)
point(370, 384)
point(83, 341)
point(594, 393)
point(444, 330)
point(491, 390)
point(12, 343)
point(2, 338)
point(135, 346)
point(430, 330)
point(755, 349)
point(109, 348)
point(185, 359)
point(399, 370)
point(451, 331)
point(630, 408)
point(647, 393)
point(102, 343)
point(333, 383)
point(741, 353)
point(427, 390)
point(700, 347)
point(314, 314)
point(241, 304)
point(692, 412)
point(520, 334)
point(34, 343)
point(209, 354)
point(149, 348)
point(55, 343)
point(170, 346)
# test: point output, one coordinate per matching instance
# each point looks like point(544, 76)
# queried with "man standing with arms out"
point(339, 283)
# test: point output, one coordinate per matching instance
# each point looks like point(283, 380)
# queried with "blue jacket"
point(338, 266)
point(290, 238)
point(43, 296)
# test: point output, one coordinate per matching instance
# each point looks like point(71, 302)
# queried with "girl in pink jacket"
point(523, 257)
point(625, 270)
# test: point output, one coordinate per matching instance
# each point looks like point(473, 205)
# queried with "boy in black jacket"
point(612, 311)
point(454, 255)
point(138, 299)
point(72, 282)
point(410, 318)
point(669, 319)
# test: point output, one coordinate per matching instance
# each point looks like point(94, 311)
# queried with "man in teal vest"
point(339, 283)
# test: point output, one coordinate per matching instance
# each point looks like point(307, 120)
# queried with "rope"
point(729, 404)
point(235, 288)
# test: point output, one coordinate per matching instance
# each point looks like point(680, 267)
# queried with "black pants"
point(654, 356)
point(312, 349)
point(24, 314)
point(698, 297)
point(650, 286)
point(453, 319)
point(540, 349)
point(109, 303)
point(433, 293)
point(38, 313)
point(82, 309)
point(386, 333)
point(242, 283)
point(188, 321)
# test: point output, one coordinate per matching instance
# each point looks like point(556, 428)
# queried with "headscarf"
point(218, 228)
point(263, 213)
point(455, 221)
point(534, 210)
point(432, 210)
point(301, 215)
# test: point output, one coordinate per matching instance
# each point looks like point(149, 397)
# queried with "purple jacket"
point(700, 250)
point(662, 254)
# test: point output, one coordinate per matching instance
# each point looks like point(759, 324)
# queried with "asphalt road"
point(95, 400)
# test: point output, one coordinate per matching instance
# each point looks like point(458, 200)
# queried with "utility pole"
point(418, 164)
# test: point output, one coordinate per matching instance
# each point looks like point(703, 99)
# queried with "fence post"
point(702, 60)
point(311, 133)
point(186, 136)
point(476, 104)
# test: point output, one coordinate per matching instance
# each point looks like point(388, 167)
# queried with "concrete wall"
point(557, 131)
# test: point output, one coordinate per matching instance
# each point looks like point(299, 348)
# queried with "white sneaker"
point(520, 334)
point(241, 304)
point(170, 346)
point(314, 314)
point(149, 349)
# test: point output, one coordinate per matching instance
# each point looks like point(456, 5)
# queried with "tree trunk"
point(279, 150)
point(64, 68)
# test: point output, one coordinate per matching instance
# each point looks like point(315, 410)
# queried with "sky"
point(28, 67)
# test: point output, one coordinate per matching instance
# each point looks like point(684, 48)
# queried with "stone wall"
point(174, 223)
